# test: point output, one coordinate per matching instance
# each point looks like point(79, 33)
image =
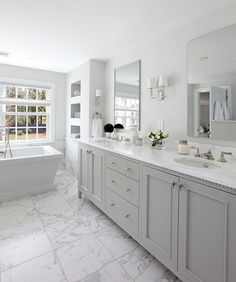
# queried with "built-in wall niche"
point(75, 110)
point(76, 89)
point(75, 131)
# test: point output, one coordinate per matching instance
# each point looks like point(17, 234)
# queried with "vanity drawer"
point(123, 186)
point(128, 168)
point(123, 212)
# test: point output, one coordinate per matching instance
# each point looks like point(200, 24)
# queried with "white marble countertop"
point(225, 175)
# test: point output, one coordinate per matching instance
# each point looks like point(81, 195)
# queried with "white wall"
point(91, 75)
point(166, 55)
point(58, 79)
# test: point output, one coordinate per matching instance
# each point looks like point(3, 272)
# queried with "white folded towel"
point(225, 111)
point(97, 128)
point(218, 111)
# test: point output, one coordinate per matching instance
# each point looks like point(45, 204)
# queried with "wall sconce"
point(158, 86)
point(98, 96)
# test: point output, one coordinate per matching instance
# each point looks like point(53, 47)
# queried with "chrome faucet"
point(222, 156)
point(208, 156)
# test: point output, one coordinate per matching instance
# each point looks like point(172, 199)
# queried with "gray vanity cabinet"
point(159, 215)
point(207, 234)
point(91, 176)
point(190, 227)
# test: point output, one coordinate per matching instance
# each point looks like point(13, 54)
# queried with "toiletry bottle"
point(183, 147)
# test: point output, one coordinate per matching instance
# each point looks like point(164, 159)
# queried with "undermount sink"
point(103, 141)
point(196, 163)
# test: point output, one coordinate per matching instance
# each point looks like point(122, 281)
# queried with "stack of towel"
point(221, 111)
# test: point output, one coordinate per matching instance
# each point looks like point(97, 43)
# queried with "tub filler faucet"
point(5, 136)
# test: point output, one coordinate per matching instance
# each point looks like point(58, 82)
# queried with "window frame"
point(50, 126)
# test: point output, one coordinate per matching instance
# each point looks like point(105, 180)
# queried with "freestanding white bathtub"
point(30, 171)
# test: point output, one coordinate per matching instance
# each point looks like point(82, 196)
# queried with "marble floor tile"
point(116, 241)
point(48, 199)
point(142, 266)
point(111, 272)
point(56, 212)
point(100, 223)
point(89, 210)
point(83, 257)
point(41, 269)
point(16, 219)
point(88, 246)
point(23, 247)
point(65, 232)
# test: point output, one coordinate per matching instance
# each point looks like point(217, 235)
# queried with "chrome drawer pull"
point(112, 205)
point(127, 216)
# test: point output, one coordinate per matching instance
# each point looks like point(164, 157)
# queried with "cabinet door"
point(96, 177)
point(207, 234)
point(83, 169)
point(159, 215)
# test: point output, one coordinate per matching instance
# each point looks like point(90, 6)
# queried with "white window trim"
point(38, 84)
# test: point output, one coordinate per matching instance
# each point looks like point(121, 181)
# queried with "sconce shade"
point(163, 80)
point(98, 92)
point(151, 83)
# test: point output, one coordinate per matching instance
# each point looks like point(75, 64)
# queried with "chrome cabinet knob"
point(173, 184)
point(180, 186)
point(112, 205)
point(127, 190)
point(127, 169)
point(127, 216)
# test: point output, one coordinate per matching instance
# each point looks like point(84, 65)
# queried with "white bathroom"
point(118, 141)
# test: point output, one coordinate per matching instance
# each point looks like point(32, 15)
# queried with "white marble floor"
point(56, 237)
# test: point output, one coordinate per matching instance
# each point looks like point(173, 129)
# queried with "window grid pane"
point(26, 122)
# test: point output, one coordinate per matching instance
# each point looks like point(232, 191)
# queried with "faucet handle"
point(222, 156)
point(197, 154)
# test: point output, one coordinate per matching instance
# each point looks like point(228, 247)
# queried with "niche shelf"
point(76, 89)
point(75, 110)
point(75, 131)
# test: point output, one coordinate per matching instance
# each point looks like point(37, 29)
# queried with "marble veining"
point(57, 237)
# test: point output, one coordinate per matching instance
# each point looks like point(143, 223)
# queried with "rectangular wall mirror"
point(127, 95)
point(212, 85)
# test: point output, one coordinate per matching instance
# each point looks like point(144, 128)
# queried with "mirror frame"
point(139, 92)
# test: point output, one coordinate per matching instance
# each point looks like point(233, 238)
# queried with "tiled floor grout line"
point(96, 224)
point(19, 264)
point(116, 259)
point(55, 254)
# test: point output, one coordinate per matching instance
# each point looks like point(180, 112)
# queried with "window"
point(127, 111)
point(26, 111)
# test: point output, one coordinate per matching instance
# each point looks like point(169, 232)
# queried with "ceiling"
point(58, 35)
